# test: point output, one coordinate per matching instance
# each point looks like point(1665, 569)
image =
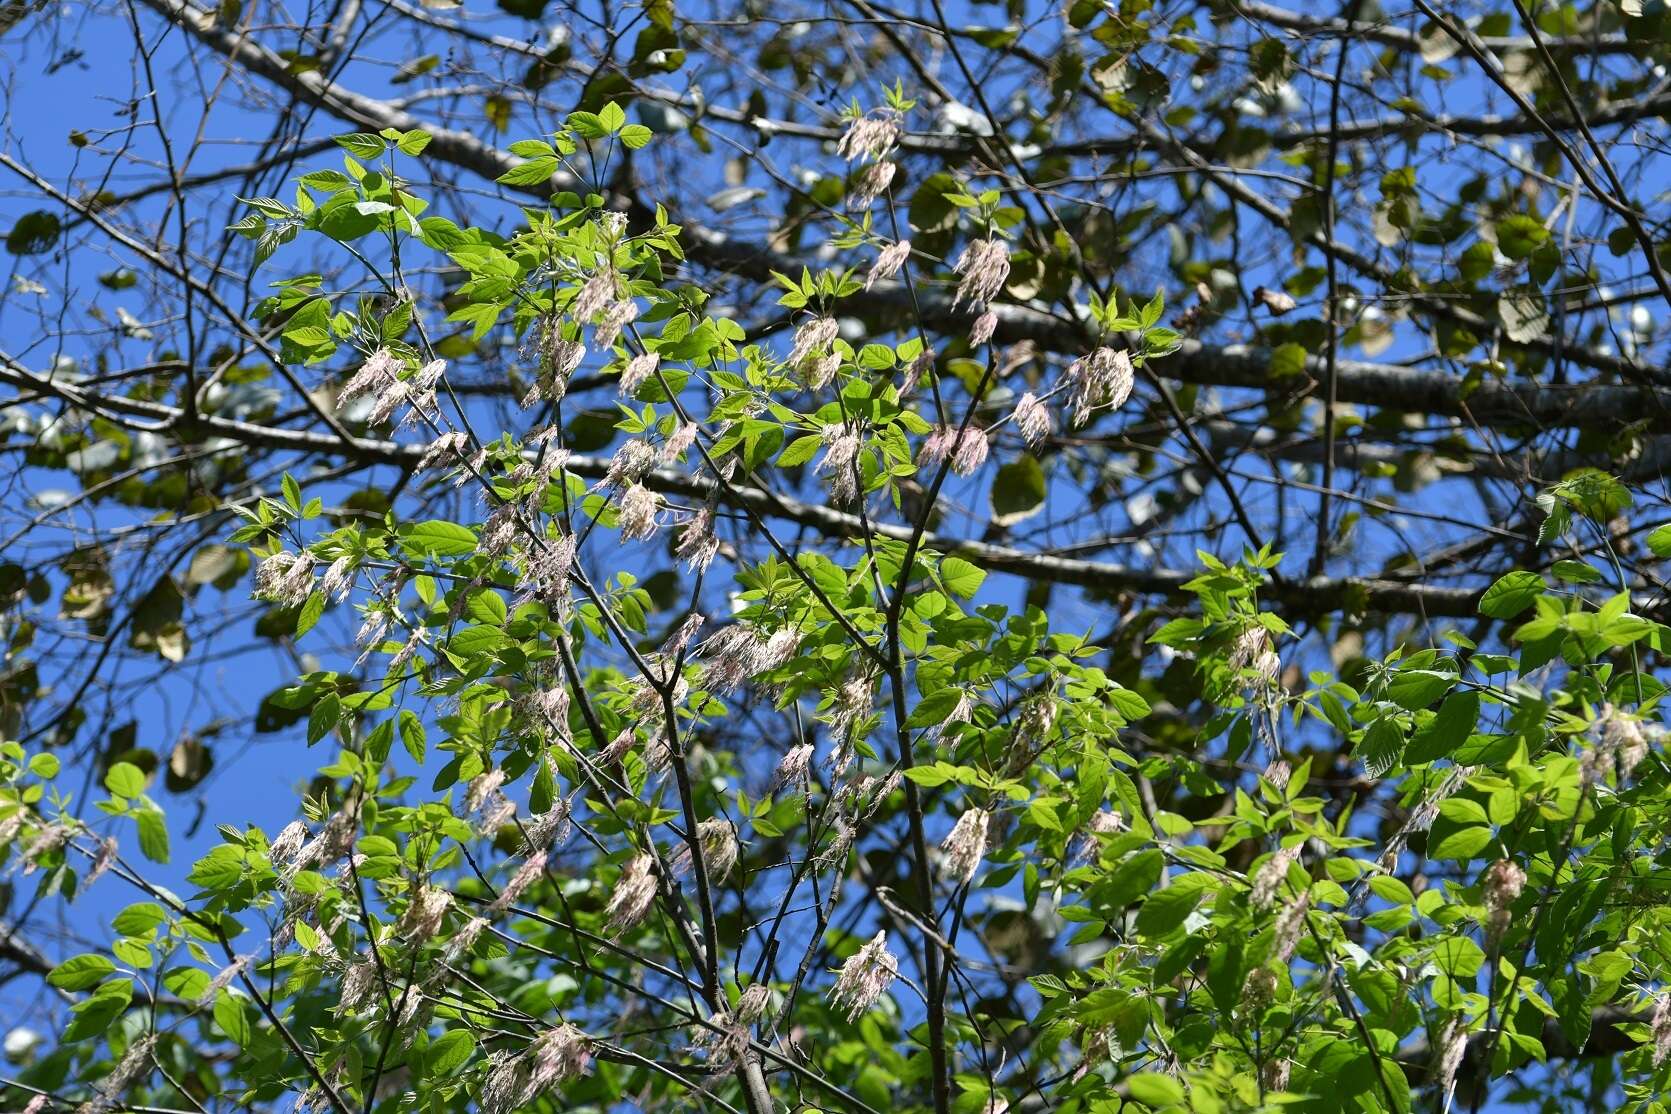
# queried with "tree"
point(836, 558)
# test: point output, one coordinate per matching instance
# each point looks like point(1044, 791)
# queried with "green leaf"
point(1449, 842)
point(312, 609)
point(1383, 746)
point(1511, 594)
point(231, 1018)
point(139, 919)
point(125, 780)
point(531, 173)
point(961, 577)
point(153, 834)
point(449, 1052)
point(800, 450)
point(1134, 877)
point(1458, 957)
point(1166, 910)
point(34, 233)
point(324, 717)
point(412, 735)
point(362, 145)
point(80, 972)
point(1017, 491)
point(438, 537)
point(1447, 730)
point(95, 1015)
point(1414, 689)
point(1520, 235)
point(636, 135)
point(1154, 1089)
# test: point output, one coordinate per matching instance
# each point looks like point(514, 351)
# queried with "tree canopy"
point(814, 557)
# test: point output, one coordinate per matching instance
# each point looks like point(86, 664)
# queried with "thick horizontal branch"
point(1605, 1038)
point(954, 144)
point(1512, 406)
point(1319, 595)
point(1384, 32)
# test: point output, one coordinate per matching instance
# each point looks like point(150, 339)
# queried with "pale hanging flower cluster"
point(417, 394)
point(794, 768)
point(338, 579)
point(965, 845)
point(634, 893)
point(1252, 650)
point(718, 840)
point(865, 977)
point(1270, 875)
point(872, 182)
point(813, 353)
point(984, 267)
point(631, 462)
point(680, 639)
point(223, 978)
point(698, 545)
point(549, 828)
point(860, 799)
point(548, 570)
point(888, 262)
point(945, 732)
point(461, 941)
point(480, 788)
point(1661, 1027)
point(1618, 744)
point(638, 371)
point(1502, 884)
point(1032, 419)
point(1104, 378)
point(678, 443)
point(445, 451)
point(638, 513)
point(425, 913)
point(379, 377)
point(517, 885)
point(983, 328)
point(841, 453)
point(559, 357)
point(853, 702)
point(967, 447)
point(869, 136)
point(555, 1057)
point(1290, 925)
point(334, 841)
point(922, 365)
point(726, 1036)
point(742, 652)
point(753, 1003)
point(597, 295)
point(285, 578)
point(358, 980)
point(379, 369)
point(1453, 1045)
point(723, 1040)
point(134, 1066)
